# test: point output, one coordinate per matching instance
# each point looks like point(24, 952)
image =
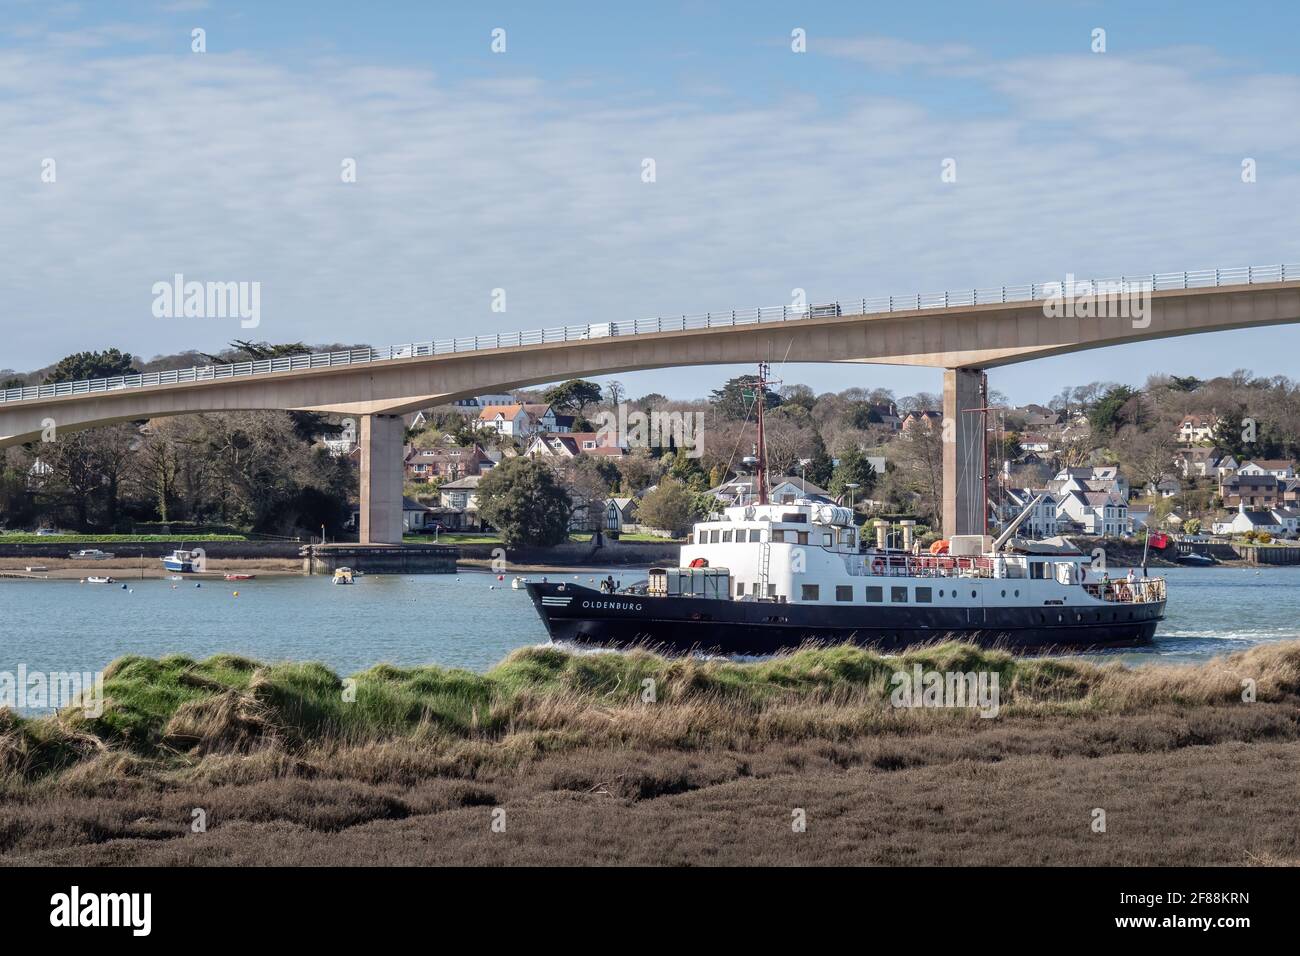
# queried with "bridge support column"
point(381, 479)
point(964, 502)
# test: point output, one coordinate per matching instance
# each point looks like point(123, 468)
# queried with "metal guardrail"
point(1157, 282)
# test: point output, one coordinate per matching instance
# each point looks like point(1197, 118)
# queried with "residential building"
point(1254, 491)
point(620, 512)
point(521, 421)
point(483, 401)
point(1041, 522)
point(572, 444)
point(1196, 428)
point(1164, 488)
point(445, 461)
point(1094, 512)
point(1277, 467)
point(1257, 520)
point(1098, 478)
point(784, 490)
point(459, 500)
point(928, 419)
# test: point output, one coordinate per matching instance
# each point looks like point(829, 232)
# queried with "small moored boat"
point(90, 554)
point(343, 576)
point(184, 561)
point(240, 577)
point(100, 579)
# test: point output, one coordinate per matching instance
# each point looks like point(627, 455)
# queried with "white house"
point(461, 498)
point(1042, 521)
point(1096, 512)
point(1166, 487)
point(1102, 478)
point(1196, 428)
point(1277, 467)
point(1257, 521)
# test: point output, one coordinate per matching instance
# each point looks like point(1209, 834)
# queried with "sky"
point(524, 170)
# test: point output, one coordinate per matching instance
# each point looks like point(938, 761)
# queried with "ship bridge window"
point(755, 534)
point(726, 536)
point(844, 592)
point(803, 537)
point(810, 592)
point(828, 539)
point(1038, 570)
point(795, 517)
point(898, 595)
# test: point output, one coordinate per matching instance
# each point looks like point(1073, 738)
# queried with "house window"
point(810, 592)
point(923, 595)
point(844, 592)
point(875, 594)
point(898, 595)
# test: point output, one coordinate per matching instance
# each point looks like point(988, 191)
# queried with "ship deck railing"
point(921, 566)
point(1141, 591)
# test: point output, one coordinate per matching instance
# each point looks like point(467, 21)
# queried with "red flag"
point(1159, 540)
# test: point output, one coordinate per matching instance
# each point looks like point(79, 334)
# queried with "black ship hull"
point(581, 615)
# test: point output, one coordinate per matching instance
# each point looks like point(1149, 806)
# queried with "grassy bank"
point(295, 764)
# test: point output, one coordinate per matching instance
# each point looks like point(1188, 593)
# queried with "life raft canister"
point(939, 547)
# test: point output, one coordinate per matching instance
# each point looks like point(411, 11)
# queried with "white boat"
point(519, 584)
point(183, 560)
point(767, 577)
point(343, 576)
point(90, 554)
point(100, 579)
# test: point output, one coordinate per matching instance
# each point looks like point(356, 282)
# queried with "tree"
point(669, 507)
point(820, 466)
point(616, 391)
point(1192, 526)
point(737, 397)
point(83, 365)
point(574, 395)
point(1105, 415)
point(525, 502)
point(853, 469)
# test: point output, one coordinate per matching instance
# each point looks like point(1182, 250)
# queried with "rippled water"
point(470, 619)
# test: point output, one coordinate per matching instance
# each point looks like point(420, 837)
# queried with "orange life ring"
point(699, 563)
point(877, 566)
point(939, 547)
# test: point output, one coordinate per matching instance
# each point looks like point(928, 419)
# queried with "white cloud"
point(226, 166)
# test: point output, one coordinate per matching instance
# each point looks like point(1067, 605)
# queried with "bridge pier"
point(964, 491)
point(381, 479)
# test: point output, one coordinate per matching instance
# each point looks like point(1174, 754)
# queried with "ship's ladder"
point(764, 559)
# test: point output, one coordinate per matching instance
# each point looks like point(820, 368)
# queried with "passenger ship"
point(767, 577)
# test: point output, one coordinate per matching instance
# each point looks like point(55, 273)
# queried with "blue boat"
point(183, 561)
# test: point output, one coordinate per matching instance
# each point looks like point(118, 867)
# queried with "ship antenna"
point(762, 441)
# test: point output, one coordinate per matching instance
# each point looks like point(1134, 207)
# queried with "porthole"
point(1004, 592)
point(972, 594)
point(1017, 592)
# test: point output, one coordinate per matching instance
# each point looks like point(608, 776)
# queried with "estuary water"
point(471, 620)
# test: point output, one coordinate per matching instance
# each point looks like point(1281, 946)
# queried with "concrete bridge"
point(963, 332)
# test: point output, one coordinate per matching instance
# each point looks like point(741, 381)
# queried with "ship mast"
point(762, 441)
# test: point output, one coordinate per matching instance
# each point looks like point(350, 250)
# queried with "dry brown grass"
point(1187, 772)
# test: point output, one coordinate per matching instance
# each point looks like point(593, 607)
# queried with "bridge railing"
point(1034, 291)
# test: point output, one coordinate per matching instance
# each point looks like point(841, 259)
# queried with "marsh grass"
point(176, 711)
